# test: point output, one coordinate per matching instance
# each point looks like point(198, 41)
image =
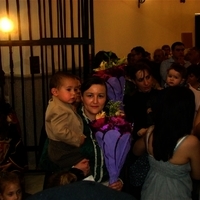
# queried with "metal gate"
point(48, 36)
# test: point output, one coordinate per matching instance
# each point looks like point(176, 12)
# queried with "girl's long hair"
point(174, 114)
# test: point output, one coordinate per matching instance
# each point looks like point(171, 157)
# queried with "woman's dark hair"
point(174, 113)
point(94, 80)
point(195, 70)
point(132, 70)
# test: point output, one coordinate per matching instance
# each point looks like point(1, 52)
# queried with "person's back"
point(174, 154)
point(81, 190)
point(171, 179)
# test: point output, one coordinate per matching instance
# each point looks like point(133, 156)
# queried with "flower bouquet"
point(112, 133)
point(113, 73)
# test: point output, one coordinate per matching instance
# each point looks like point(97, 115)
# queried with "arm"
point(139, 147)
point(194, 155)
point(197, 118)
point(196, 128)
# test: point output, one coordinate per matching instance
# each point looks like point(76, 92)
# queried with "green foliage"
point(113, 62)
point(113, 107)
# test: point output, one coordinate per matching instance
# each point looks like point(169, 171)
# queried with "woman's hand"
point(142, 131)
point(118, 185)
point(84, 166)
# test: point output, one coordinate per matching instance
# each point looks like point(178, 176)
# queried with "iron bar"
point(22, 73)
point(32, 80)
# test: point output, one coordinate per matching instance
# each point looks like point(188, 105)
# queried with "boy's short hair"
point(56, 79)
point(178, 68)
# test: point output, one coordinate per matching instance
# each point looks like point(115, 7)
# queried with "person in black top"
point(138, 110)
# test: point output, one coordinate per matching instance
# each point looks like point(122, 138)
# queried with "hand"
point(84, 166)
point(142, 131)
point(82, 139)
point(118, 185)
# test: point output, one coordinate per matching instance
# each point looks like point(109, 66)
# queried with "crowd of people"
point(161, 100)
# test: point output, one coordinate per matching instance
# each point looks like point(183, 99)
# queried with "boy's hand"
point(82, 139)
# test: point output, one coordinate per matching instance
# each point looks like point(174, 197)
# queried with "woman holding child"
point(71, 141)
point(136, 105)
point(94, 96)
point(137, 109)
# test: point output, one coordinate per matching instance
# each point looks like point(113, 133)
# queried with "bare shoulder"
point(192, 150)
point(187, 151)
point(191, 142)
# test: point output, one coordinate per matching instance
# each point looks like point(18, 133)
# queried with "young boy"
point(176, 75)
point(63, 125)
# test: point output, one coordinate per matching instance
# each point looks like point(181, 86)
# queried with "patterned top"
point(91, 150)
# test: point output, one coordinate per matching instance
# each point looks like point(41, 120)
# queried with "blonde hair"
point(61, 178)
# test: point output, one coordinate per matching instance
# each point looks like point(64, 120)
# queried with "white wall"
point(120, 24)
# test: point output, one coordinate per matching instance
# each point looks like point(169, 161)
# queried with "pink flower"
point(111, 123)
point(117, 121)
point(97, 124)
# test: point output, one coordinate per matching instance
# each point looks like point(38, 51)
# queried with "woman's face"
point(12, 191)
point(94, 100)
point(143, 81)
point(192, 79)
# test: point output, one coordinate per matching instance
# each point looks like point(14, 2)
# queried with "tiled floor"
point(33, 182)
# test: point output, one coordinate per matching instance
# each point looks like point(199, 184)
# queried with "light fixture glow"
point(6, 25)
